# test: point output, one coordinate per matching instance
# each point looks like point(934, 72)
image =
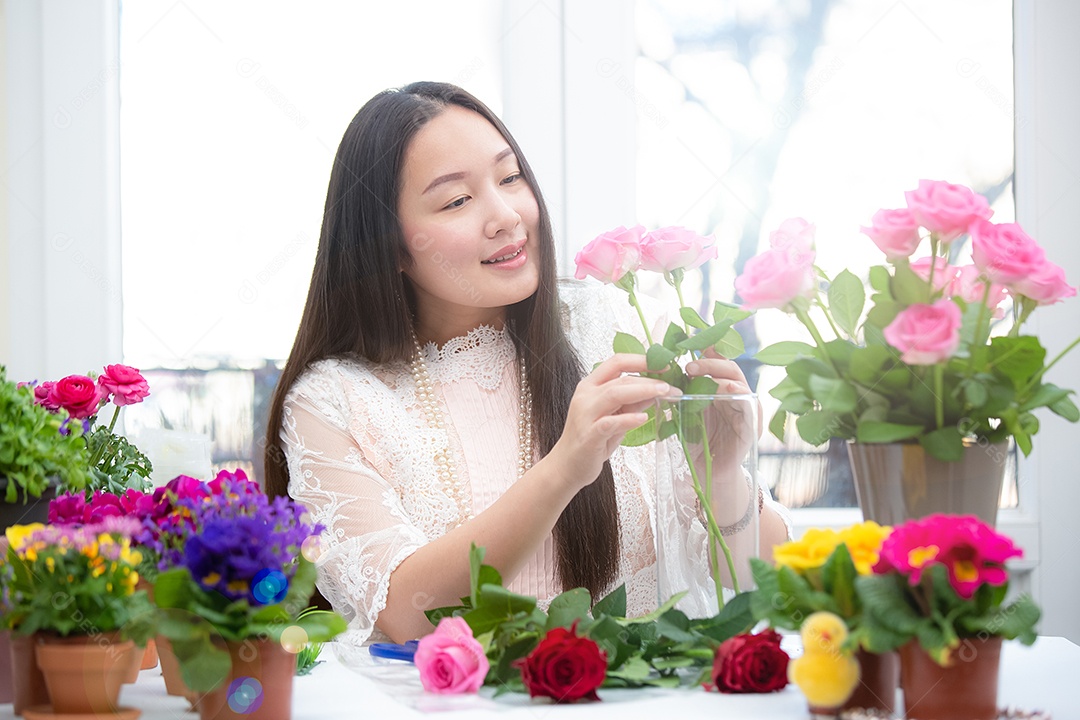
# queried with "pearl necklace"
point(444, 464)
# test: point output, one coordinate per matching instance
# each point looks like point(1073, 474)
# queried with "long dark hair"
point(360, 304)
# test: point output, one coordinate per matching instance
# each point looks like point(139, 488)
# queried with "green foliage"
point(120, 465)
point(932, 613)
point(195, 621)
point(663, 649)
point(856, 387)
point(32, 449)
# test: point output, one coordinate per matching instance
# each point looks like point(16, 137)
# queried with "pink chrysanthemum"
point(971, 551)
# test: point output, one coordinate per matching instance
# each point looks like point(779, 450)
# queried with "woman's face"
point(470, 224)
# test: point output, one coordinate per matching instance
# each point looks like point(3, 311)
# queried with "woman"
point(432, 399)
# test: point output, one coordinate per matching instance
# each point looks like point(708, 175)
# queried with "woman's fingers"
point(616, 365)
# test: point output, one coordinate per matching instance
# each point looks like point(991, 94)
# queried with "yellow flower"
point(864, 543)
point(212, 579)
point(238, 587)
point(91, 550)
point(129, 556)
point(809, 552)
point(17, 535)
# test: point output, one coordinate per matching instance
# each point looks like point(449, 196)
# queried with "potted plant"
point(115, 463)
point(232, 593)
point(938, 594)
point(74, 589)
point(36, 455)
point(817, 574)
point(930, 383)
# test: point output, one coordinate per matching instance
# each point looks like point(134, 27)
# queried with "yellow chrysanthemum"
point(809, 552)
point(18, 534)
point(864, 543)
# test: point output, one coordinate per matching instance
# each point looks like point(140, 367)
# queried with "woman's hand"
point(727, 424)
point(607, 404)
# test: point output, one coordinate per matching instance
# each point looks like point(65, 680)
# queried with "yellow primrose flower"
point(18, 534)
point(237, 587)
point(864, 543)
point(809, 552)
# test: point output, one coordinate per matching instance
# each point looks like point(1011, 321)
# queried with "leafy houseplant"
point(702, 424)
point(926, 362)
point(32, 448)
point(941, 580)
point(115, 463)
point(232, 573)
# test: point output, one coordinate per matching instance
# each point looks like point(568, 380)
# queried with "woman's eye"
point(456, 203)
point(510, 179)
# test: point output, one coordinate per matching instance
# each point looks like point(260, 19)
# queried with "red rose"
point(750, 664)
point(77, 394)
point(564, 667)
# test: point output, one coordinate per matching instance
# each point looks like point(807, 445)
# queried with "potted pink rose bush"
point(938, 361)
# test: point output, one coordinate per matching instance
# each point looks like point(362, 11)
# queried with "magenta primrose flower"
point(971, 551)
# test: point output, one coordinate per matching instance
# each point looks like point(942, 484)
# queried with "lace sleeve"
point(366, 530)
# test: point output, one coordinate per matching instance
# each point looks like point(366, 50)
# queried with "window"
point(759, 111)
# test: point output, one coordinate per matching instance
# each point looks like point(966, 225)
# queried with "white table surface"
point(1045, 676)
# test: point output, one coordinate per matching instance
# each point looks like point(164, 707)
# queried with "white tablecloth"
point(1045, 676)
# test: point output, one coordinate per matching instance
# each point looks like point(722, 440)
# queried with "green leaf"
point(627, 343)
point(885, 432)
point(909, 288)
point(726, 311)
point(880, 278)
point(734, 618)
point(1045, 396)
point(568, 607)
point(673, 337)
point(641, 435)
point(945, 444)
point(634, 669)
point(1017, 358)
point(846, 299)
point(476, 562)
point(701, 385)
point(833, 394)
point(784, 353)
point(866, 363)
point(614, 603)
point(1067, 409)
point(707, 337)
point(731, 345)
point(817, 426)
point(975, 393)
point(838, 579)
point(690, 317)
point(776, 425)
point(658, 357)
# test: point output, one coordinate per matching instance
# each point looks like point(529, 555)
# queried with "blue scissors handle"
point(393, 651)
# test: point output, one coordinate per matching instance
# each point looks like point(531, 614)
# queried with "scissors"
point(392, 651)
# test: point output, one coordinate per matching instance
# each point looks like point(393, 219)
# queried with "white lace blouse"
point(361, 458)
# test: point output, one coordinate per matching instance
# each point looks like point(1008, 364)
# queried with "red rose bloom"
point(750, 664)
point(564, 667)
point(77, 394)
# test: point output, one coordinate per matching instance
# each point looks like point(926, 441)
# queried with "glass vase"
point(707, 499)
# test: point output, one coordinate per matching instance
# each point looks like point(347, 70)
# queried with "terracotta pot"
point(895, 482)
point(7, 682)
point(84, 672)
point(259, 687)
point(170, 669)
point(966, 690)
point(29, 683)
point(149, 656)
point(878, 681)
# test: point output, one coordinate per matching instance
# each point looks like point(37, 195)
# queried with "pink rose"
point(944, 273)
point(611, 255)
point(926, 334)
point(77, 394)
point(450, 660)
point(945, 209)
point(1004, 253)
point(126, 384)
point(895, 232)
point(970, 287)
point(1046, 285)
point(672, 248)
point(794, 235)
point(43, 396)
point(775, 278)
